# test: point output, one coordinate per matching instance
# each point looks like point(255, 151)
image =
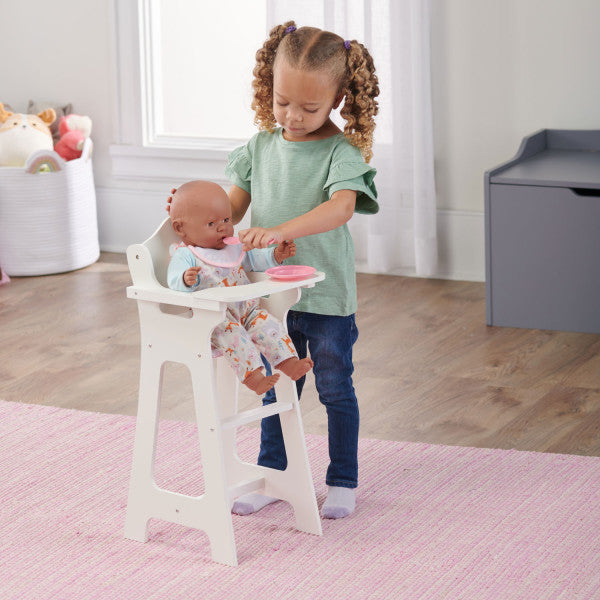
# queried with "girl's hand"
point(259, 237)
point(284, 250)
point(169, 200)
point(191, 276)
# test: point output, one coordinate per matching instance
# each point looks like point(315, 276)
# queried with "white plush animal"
point(21, 135)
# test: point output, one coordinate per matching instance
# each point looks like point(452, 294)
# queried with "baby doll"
point(200, 213)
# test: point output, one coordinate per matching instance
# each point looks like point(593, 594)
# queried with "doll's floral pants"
point(242, 341)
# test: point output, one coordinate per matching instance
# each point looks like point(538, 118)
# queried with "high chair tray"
point(211, 298)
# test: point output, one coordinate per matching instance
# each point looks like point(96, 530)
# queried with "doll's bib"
point(228, 257)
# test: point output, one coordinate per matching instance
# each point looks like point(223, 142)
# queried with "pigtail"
point(360, 106)
point(262, 102)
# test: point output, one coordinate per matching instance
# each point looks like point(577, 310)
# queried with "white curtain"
point(401, 238)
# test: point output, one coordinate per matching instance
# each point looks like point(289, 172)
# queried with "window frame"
point(141, 153)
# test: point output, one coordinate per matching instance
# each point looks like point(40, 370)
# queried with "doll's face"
point(201, 214)
point(302, 100)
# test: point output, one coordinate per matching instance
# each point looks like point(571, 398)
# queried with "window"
point(159, 146)
point(202, 78)
point(184, 85)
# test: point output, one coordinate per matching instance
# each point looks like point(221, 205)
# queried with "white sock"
point(250, 503)
point(340, 502)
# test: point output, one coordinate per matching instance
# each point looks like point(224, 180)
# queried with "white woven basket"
point(48, 220)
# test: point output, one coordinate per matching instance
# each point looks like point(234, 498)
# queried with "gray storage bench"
point(542, 220)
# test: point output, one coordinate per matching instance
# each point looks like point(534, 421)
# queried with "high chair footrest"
point(256, 414)
point(245, 487)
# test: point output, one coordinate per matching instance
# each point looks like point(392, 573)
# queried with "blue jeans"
point(329, 340)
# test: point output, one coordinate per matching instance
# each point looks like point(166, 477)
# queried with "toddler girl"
point(305, 180)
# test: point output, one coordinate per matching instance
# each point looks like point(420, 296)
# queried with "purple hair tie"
point(347, 44)
point(290, 29)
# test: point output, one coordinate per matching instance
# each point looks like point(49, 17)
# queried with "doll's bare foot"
point(260, 383)
point(294, 367)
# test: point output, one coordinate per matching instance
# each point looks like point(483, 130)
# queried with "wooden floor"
point(428, 369)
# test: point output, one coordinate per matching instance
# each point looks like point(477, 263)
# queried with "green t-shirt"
point(287, 179)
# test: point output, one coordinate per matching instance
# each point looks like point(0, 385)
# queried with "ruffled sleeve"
point(351, 172)
point(239, 168)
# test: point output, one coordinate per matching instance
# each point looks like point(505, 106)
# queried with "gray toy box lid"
point(551, 157)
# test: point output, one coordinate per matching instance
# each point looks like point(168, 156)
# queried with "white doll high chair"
point(176, 326)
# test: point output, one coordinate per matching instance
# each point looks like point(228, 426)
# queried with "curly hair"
point(349, 64)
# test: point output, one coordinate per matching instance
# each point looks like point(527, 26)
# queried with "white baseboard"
point(127, 216)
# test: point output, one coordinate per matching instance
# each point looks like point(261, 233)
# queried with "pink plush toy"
point(73, 129)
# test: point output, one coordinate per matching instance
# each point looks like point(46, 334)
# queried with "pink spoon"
point(234, 241)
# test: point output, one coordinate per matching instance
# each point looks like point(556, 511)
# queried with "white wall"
point(501, 69)
point(60, 52)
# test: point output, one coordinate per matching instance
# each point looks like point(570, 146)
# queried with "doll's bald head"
point(201, 214)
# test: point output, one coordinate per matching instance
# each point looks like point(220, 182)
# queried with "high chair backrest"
point(149, 261)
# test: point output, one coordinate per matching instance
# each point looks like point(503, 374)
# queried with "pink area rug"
point(432, 522)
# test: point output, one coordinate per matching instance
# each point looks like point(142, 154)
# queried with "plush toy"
point(61, 110)
point(21, 135)
point(73, 129)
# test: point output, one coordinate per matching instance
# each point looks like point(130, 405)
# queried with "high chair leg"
point(295, 484)
point(302, 493)
point(217, 523)
point(141, 484)
point(227, 393)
